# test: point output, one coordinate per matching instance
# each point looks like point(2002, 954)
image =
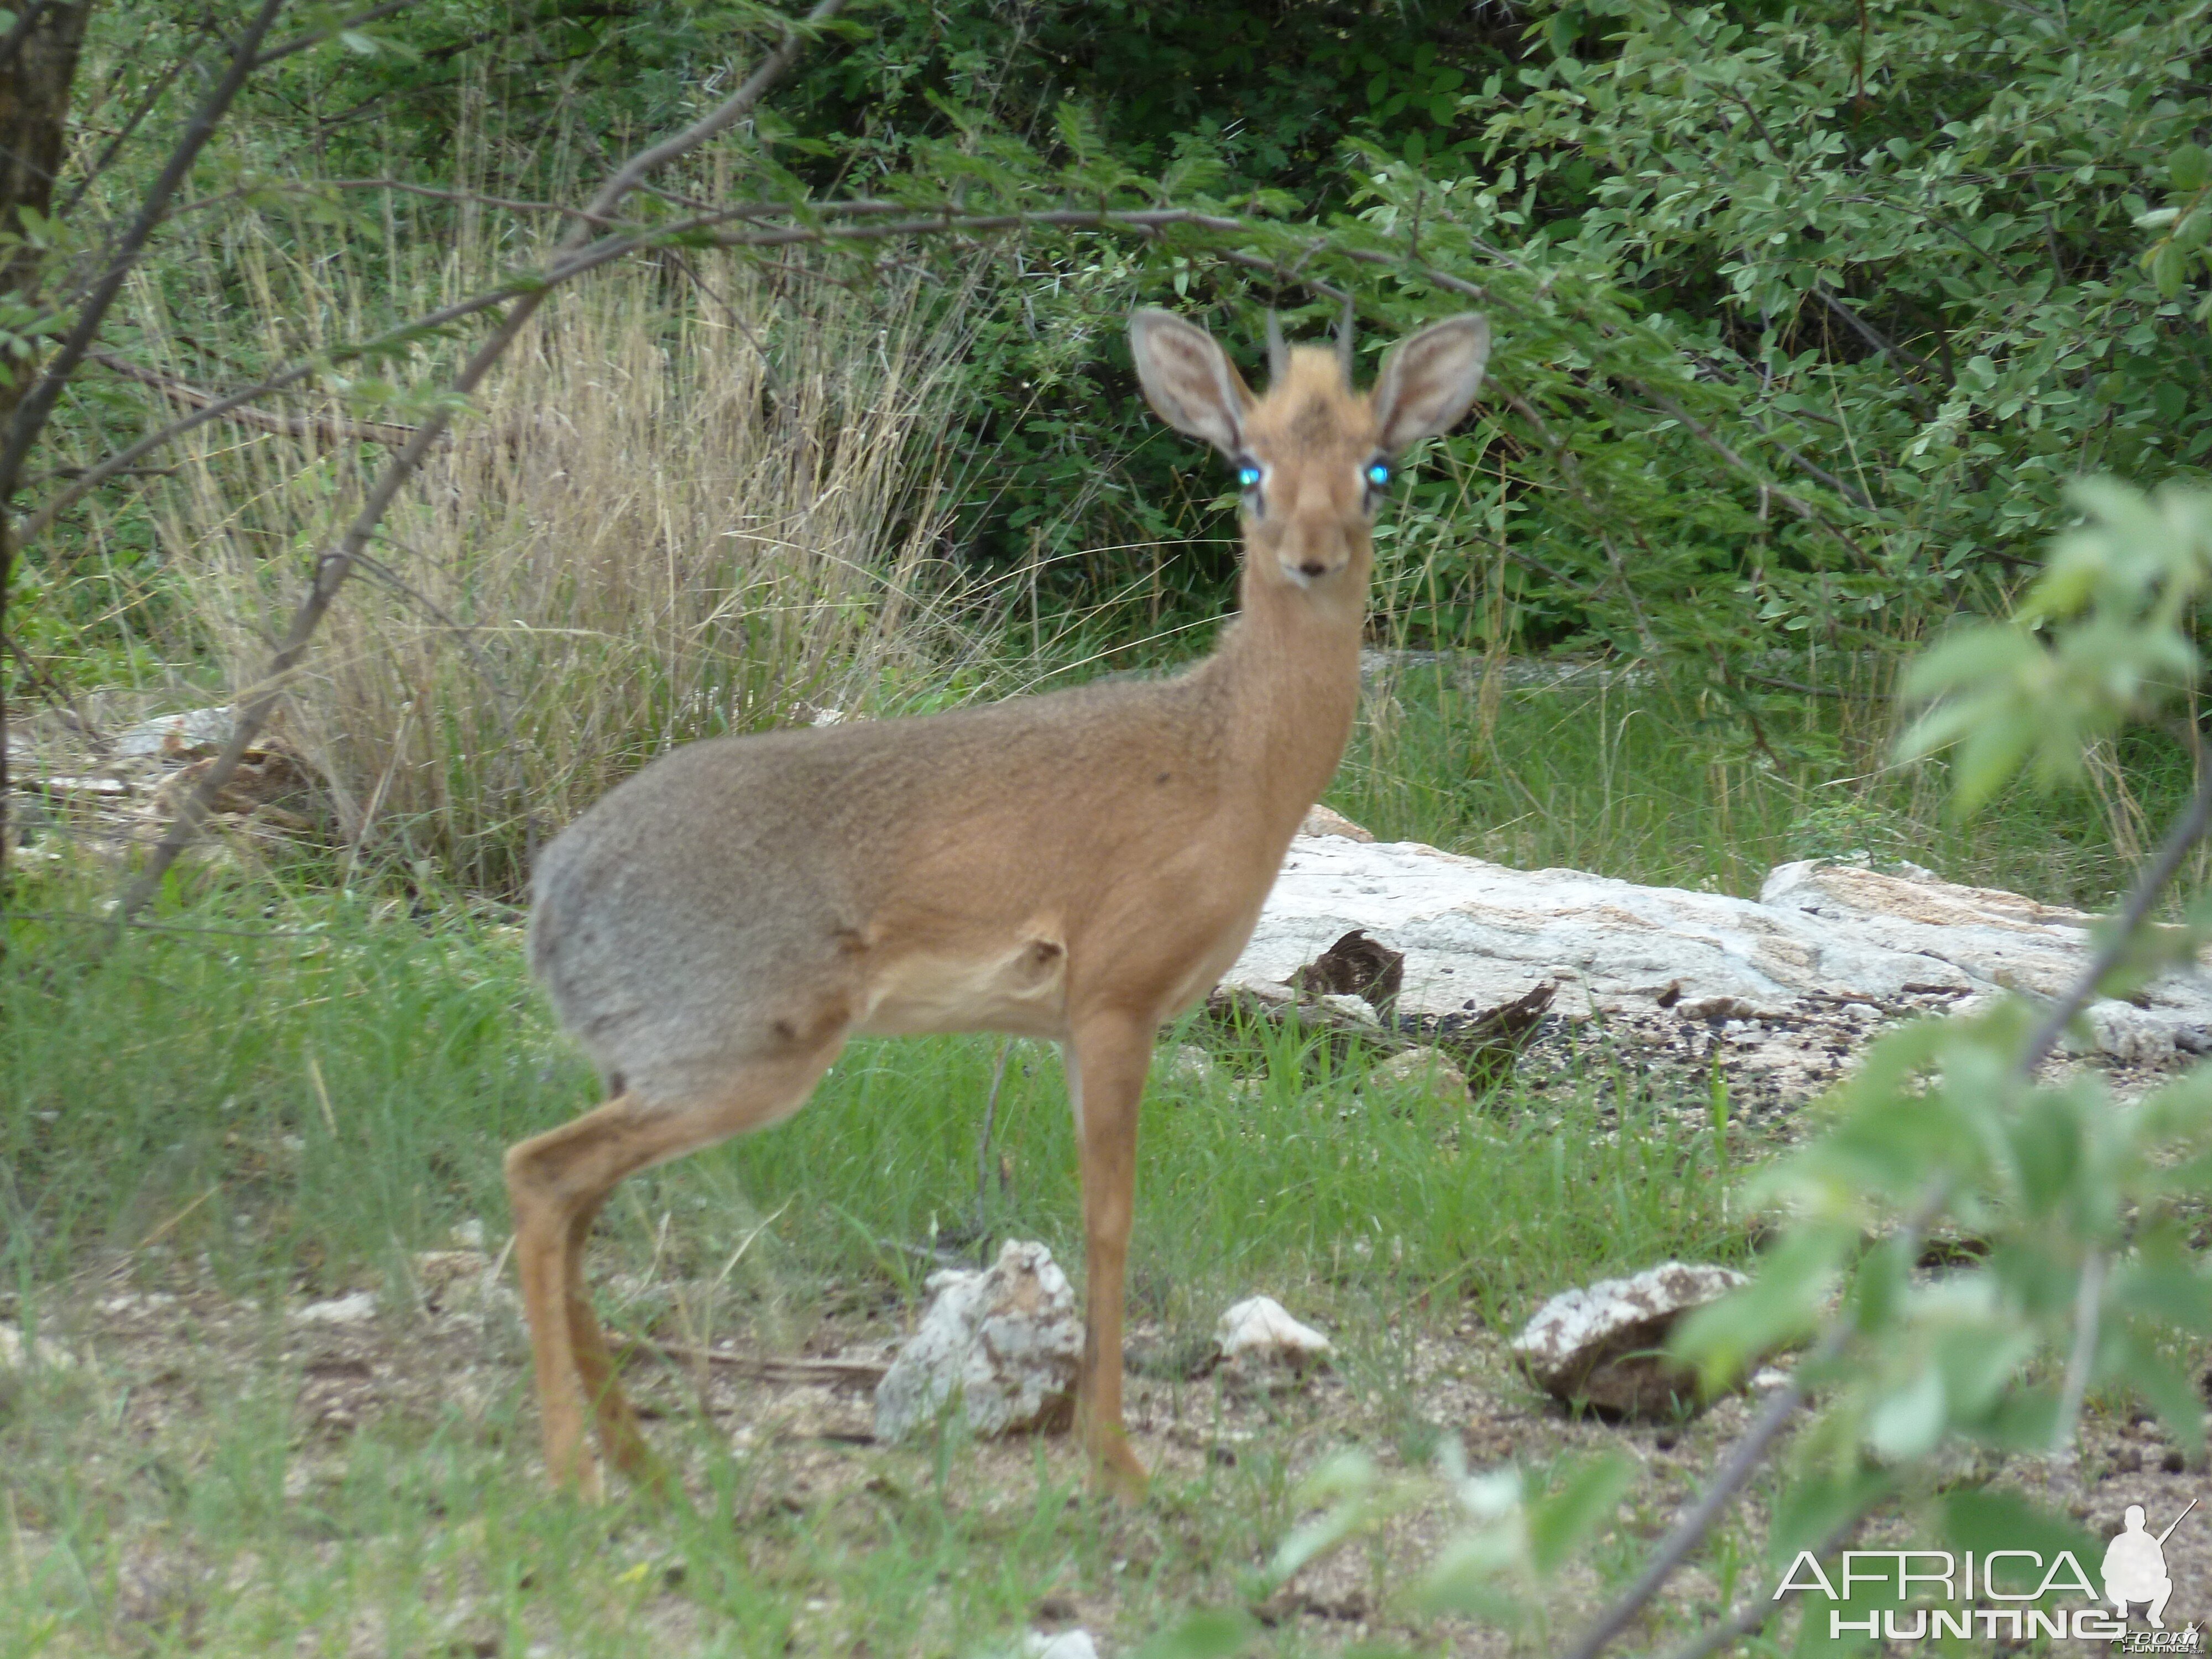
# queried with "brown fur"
point(1077, 868)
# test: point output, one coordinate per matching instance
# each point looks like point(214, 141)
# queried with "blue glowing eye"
point(1378, 473)
point(1249, 477)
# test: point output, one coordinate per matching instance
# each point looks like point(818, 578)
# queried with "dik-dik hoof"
point(1115, 1471)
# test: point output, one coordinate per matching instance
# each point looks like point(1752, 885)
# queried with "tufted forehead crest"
point(1310, 404)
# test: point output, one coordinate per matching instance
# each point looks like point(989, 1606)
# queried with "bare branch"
point(145, 108)
point(1762, 1607)
point(316, 37)
point(328, 428)
point(32, 413)
point(337, 564)
point(588, 257)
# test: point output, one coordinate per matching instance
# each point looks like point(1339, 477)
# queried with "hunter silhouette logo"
point(2135, 1565)
point(2013, 1594)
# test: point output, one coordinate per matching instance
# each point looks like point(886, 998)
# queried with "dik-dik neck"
point(1289, 671)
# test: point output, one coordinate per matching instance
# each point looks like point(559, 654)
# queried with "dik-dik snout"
point(1312, 528)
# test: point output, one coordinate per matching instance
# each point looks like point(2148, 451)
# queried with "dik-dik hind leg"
point(1108, 1056)
point(555, 1183)
point(620, 1441)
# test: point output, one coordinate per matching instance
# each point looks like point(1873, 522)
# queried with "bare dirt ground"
point(168, 1364)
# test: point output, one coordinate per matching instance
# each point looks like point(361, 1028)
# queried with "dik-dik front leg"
point(1108, 1057)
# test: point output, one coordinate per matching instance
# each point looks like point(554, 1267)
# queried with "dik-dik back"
point(926, 874)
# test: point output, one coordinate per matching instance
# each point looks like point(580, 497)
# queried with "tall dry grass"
point(690, 501)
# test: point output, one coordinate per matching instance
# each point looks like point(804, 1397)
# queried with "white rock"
point(16, 1355)
point(1187, 1065)
point(352, 1309)
point(457, 1281)
point(1323, 821)
point(1005, 1342)
point(1351, 1007)
point(1600, 1343)
point(1476, 935)
point(1067, 1644)
point(1426, 1068)
point(1259, 1329)
point(176, 737)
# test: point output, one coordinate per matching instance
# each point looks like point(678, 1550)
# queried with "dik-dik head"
point(1314, 457)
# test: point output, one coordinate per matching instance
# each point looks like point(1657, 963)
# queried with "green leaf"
point(1216, 1633)
point(2190, 166)
point(1562, 1521)
point(1782, 1301)
point(1908, 1423)
point(1976, 1518)
point(1813, 1506)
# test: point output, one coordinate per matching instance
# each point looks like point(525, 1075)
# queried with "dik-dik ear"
point(1428, 380)
point(1190, 383)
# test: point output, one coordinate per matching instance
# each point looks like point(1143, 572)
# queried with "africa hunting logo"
point(2133, 1574)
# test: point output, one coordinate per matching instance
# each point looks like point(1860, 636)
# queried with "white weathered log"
point(1821, 935)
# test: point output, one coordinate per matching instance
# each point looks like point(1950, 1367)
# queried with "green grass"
point(307, 1103)
point(291, 1090)
point(1665, 781)
point(293, 1114)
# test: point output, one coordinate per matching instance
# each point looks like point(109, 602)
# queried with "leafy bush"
point(2084, 1275)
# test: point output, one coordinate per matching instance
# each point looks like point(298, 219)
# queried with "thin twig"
point(2088, 1304)
point(563, 269)
point(1743, 1459)
point(847, 1373)
point(38, 405)
point(1762, 1608)
point(152, 96)
point(177, 1218)
point(61, 701)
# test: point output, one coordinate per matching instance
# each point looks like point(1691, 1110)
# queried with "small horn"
point(1344, 339)
point(1278, 355)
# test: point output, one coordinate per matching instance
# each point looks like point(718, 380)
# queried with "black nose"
point(1314, 568)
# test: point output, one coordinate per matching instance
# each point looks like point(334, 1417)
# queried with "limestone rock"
point(1005, 1343)
point(1600, 1344)
point(356, 1309)
point(1259, 1331)
point(1323, 821)
point(1066, 1644)
point(1187, 1065)
point(191, 735)
point(16, 1354)
point(1426, 1070)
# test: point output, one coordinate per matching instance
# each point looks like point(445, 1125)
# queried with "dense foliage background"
point(1805, 312)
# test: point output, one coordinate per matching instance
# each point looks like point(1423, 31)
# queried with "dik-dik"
point(1078, 867)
